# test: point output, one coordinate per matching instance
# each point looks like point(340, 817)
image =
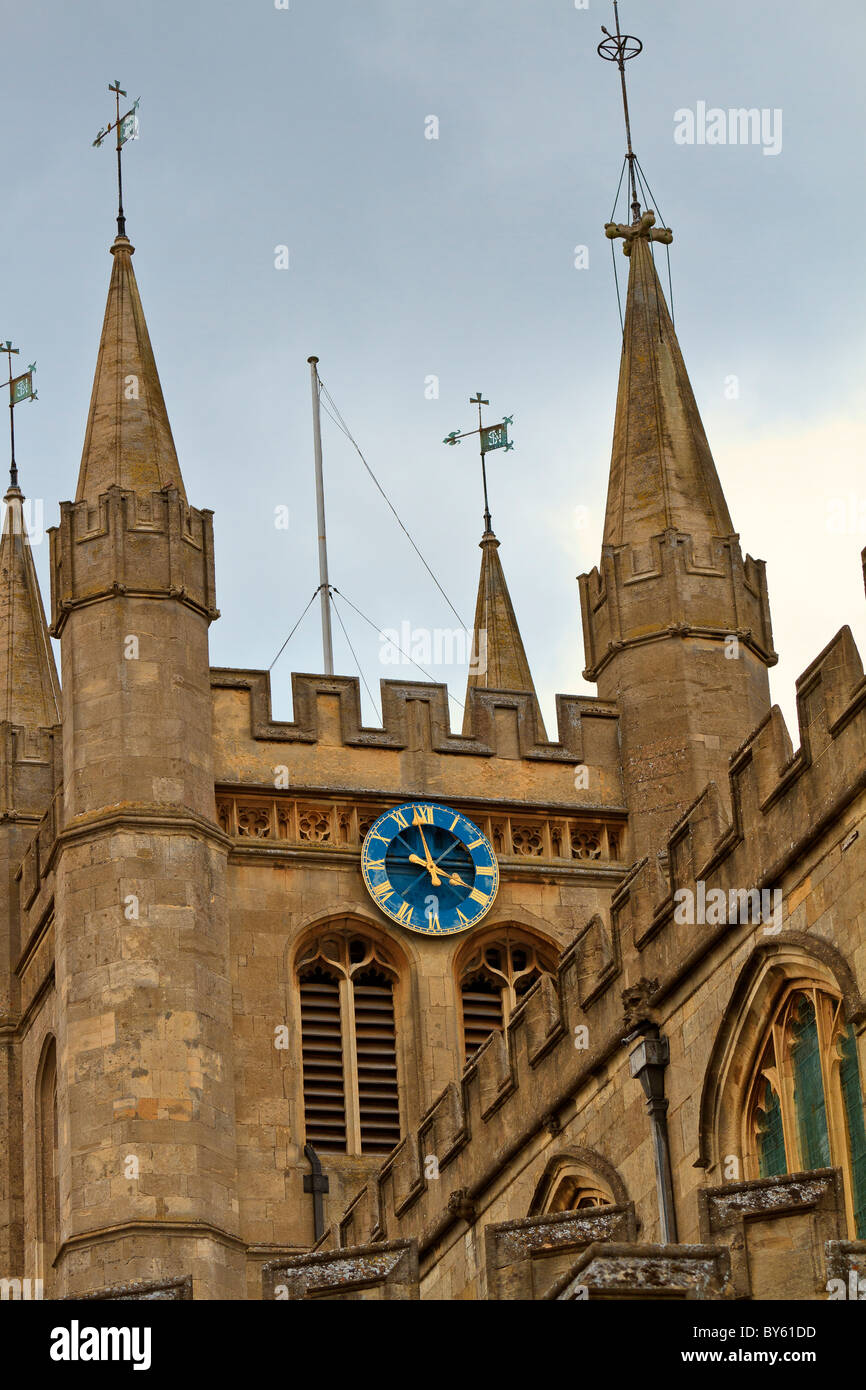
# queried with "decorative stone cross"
point(644, 229)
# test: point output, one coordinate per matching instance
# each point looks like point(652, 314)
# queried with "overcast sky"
point(453, 257)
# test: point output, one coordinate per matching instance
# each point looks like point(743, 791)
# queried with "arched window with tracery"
point(349, 1044)
point(806, 1108)
point(493, 979)
point(46, 1158)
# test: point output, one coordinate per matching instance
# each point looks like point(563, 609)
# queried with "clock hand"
point(416, 821)
point(429, 866)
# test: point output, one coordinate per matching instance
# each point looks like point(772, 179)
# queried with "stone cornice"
point(155, 817)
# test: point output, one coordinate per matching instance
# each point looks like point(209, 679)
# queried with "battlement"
point(782, 801)
point(155, 547)
point(674, 588)
point(31, 762)
point(38, 861)
point(330, 747)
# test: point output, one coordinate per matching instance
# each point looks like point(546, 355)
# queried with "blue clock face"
point(429, 868)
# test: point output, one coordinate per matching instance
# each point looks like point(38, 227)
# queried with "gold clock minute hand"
point(416, 821)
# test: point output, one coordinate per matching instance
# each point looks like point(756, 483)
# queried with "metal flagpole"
point(324, 586)
point(13, 467)
point(620, 48)
point(20, 389)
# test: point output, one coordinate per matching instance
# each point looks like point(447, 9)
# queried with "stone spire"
point(29, 688)
point(676, 620)
point(498, 656)
point(128, 441)
point(662, 475)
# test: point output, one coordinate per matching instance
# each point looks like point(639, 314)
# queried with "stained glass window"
point(806, 1106)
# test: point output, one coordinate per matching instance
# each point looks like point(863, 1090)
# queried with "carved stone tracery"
point(334, 825)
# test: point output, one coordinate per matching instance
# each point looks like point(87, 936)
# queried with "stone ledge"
point(700, 1272)
point(386, 1271)
point(165, 1291)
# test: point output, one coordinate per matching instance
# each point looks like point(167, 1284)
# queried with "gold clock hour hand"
point(458, 881)
point(429, 866)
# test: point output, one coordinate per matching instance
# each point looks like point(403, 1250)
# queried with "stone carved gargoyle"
point(636, 1005)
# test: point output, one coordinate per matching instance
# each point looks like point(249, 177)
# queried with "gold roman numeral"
point(383, 891)
point(404, 914)
point(400, 819)
point(464, 920)
point(423, 815)
point(476, 843)
point(477, 896)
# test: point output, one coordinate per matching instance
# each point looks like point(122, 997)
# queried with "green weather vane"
point(491, 437)
point(21, 388)
point(127, 129)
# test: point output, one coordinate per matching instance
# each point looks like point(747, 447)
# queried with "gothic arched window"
point(805, 1107)
point(492, 981)
point(349, 1047)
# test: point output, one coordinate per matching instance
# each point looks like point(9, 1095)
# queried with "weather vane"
point(127, 129)
point(21, 388)
point(620, 48)
point(491, 437)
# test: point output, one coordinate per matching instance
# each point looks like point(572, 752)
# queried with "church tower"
point(146, 1090)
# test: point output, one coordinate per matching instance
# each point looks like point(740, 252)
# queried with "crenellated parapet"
point(499, 757)
point(38, 862)
point(397, 698)
point(781, 802)
point(674, 587)
point(578, 716)
point(153, 546)
point(31, 769)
